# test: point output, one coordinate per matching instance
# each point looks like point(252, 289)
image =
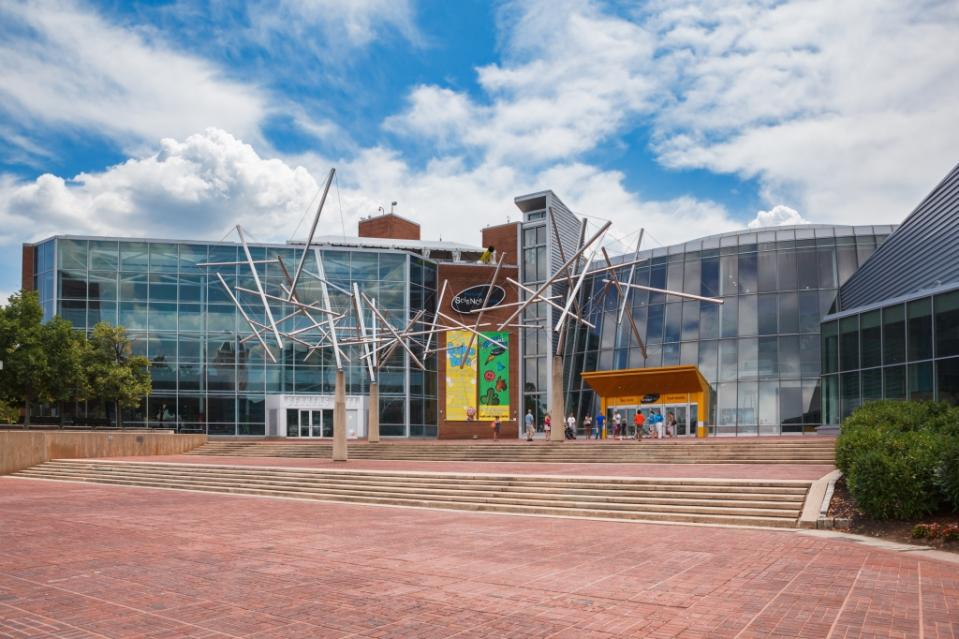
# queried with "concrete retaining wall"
point(22, 449)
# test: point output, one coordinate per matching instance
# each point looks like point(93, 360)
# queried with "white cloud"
point(845, 109)
point(196, 188)
point(779, 215)
point(65, 66)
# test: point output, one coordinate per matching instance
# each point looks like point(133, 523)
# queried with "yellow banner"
point(460, 382)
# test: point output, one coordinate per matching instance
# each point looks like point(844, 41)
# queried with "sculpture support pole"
point(339, 418)
point(557, 407)
point(373, 436)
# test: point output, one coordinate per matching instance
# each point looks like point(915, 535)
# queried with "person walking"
point(670, 424)
point(657, 420)
point(638, 421)
point(588, 426)
point(600, 424)
point(547, 425)
point(570, 427)
point(618, 425)
point(530, 425)
point(496, 426)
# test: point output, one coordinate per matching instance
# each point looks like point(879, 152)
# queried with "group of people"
point(656, 426)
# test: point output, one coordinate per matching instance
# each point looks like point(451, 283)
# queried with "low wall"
point(476, 430)
point(22, 449)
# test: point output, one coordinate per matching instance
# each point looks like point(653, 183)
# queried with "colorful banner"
point(494, 379)
point(460, 382)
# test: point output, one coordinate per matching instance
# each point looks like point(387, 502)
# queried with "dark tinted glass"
point(807, 268)
point(920, 329)
point(920, 381)
point(947, 380)
point(872, 384)
point(947, 324)
point(849, 343)
point(871, 335)
point(830, 347)
point(895, 382)
point(709, 276)
point(893, 335)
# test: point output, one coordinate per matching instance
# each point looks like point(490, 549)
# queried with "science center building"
point(815, 320)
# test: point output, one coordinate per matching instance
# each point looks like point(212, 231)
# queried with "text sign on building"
point(472, 298)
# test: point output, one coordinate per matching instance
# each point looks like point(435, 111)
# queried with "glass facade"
point(206, 376)
point(759, 350)
point(905, 349)
point(535, 354)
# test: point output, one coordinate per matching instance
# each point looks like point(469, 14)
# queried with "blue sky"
point(180, 119)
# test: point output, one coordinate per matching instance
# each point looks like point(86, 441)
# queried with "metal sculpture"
point(316, 325)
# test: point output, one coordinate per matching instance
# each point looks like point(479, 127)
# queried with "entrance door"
point(326, 419)
point(681, 413)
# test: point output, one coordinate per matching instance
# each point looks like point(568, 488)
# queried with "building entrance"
point(686, 416)
point(309, 423)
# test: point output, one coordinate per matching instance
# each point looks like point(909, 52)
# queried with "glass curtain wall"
point(535, 352)
point(906, 350)
point(759, 350)
point(206, 377)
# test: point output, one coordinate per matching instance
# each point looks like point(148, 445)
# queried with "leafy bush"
point(901, 459)
point(946, 532)
point(947, 474)
point(896, 483)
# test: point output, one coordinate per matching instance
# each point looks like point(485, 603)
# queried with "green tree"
point(115, 374)
point(66, 355)
point(25, 366)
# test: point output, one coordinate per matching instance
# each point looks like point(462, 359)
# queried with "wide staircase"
point(811, 450)
point(715, 501)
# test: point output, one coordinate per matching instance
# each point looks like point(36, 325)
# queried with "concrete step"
point(702, 498)
point(703, 501)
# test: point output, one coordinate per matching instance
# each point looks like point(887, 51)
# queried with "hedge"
point(901, 459)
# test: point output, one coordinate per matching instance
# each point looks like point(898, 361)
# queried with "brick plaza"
point(86, 561)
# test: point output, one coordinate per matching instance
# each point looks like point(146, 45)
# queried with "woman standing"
point(547, 425)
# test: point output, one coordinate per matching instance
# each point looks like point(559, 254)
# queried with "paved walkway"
point(84, 562)
point(710, 471)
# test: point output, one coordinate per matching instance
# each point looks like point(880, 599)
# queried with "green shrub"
point(947, 473)
point(891, 485)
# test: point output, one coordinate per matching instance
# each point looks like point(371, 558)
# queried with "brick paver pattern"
point(81, 562)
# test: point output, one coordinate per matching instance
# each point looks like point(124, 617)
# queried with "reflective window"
point(920, 329)
point(728, 360)
point(830, 347)
point(729, 272)
point(872, 384)
point(747, 273)
point(709, 286)
point(809, 312)
point(72, 254)
point(747, 315)
point(809, 361)
point(729, 317)
point(788, 313)
point(947, 324)
point(871, 336)
point(947, 380)
point(849, 343)
point(895, 382)
point(691, 320)
point(768, 314)
point(691, 277)
point(766, 271)
point(748, 409)
point(849, 393)
point(769, 358)
point(748, 358)
point(807, 268)
point(769, 408)
point(893, 335)
point(674, 322)
point(920, 381)
point(787, 270)
point(709, 320)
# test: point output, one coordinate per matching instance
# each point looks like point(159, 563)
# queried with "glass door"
point(305, 424)
point(681, 413)
point(323, 422)
point(292, 422)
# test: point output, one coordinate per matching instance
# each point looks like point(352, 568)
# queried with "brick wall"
point(26, 269)
point(389, 226)
point(462, 276)
point(504, 237)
